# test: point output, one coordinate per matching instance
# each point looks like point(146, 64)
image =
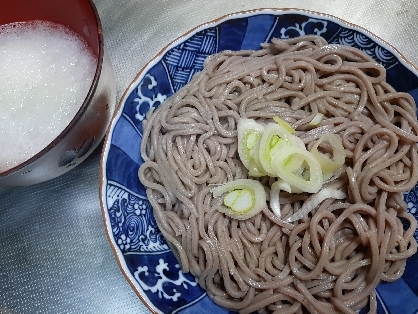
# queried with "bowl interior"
point(80, 16)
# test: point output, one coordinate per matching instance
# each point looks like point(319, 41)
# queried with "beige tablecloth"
point(54, 255)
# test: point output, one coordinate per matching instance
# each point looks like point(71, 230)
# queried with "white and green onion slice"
point(275, 138)
point(307, 178)
point(249, 135)
point(242, 198)
point(329, 165)
point(314, 201)
point(273, 150)
point(316, 119)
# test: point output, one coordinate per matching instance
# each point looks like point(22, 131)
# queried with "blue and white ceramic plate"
point(140, 249)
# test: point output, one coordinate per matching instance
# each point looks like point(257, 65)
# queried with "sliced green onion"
point(285, 125)
point(242, 198)
point(308, 178)
point(328, 165)
point(274, 139)
point(275, 151)
point(314, 201)
point(249, 135)
point(276, 187)
point(317, 119)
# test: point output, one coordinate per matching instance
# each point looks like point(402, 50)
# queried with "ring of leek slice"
point(275, 138)
point(308, 178)
point(314, 201)
point(328, 165)
point(249, 135)
point(275, 189)
point(284, 125)
point(242, 198)
point(317, 119)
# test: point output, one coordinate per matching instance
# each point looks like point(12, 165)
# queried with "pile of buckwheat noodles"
point(328, 262)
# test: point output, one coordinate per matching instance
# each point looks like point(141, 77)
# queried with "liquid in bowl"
point(87, 127)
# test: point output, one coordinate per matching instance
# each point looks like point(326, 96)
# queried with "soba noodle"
point(328, 262)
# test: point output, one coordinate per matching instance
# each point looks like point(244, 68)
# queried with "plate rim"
point(154, 60)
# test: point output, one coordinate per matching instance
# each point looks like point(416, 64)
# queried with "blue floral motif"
point(159, 281)
point(146, 98)
point(300, 29)
point(124, 243)
point(133, 224)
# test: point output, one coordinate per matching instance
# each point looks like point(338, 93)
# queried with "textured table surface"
point(54, 255)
